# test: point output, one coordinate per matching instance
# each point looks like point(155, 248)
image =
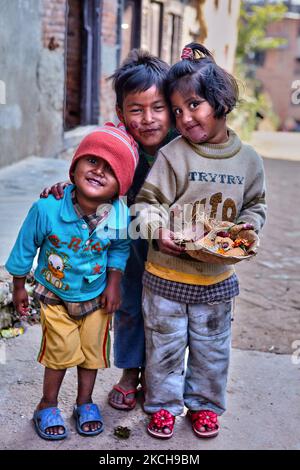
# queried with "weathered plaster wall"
point(221, 18)
point(50, 82)
point(51, 76)
point(31, 117)
point(20, 44)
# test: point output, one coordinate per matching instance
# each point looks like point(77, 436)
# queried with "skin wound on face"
point(134, 125)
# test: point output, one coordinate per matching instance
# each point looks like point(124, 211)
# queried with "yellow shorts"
point(67, 342)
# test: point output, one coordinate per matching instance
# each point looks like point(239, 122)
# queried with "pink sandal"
point(204, 423)
point(128, 403)
point(160, 422)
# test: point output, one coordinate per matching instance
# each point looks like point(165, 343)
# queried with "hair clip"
point(199, 55)
point(187, 53)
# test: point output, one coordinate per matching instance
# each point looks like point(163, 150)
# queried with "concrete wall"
point(31, 118)
point(221, 18)
point(51, 77)
point(20, 44)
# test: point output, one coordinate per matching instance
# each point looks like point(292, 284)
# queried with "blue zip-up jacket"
point(72, 263)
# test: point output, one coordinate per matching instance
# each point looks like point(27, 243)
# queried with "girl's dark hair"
point(139, 72)
point(198, 72)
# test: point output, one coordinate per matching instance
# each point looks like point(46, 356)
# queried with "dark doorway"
point(82, 63)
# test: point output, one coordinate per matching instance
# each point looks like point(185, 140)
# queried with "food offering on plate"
point(222, 242)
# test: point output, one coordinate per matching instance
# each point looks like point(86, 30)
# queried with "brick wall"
point(53, 23)
point(281, 69)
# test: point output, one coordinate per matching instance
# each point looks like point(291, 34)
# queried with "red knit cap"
point(114, 145)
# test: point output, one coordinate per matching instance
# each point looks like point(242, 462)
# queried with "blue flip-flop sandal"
point(87, 413)
point(48, 418)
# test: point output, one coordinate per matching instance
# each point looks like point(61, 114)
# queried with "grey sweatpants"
point(172, 327)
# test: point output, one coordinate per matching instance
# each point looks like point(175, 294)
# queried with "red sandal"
point(160, 422)
point(204, 423)
point(128, 403)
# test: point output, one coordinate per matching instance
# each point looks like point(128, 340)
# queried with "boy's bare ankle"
point(83, 401)
point(130, 377)
point(46, 403)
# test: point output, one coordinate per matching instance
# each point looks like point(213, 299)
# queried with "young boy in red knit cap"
point(141, 105)
point(83, 252)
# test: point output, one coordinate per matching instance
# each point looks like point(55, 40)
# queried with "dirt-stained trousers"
point(197, 333)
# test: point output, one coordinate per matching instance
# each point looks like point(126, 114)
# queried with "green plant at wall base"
point(253, 105)
point(246, 117)
point(252, 38)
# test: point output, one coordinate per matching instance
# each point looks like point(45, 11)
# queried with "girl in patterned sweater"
point(186, 302)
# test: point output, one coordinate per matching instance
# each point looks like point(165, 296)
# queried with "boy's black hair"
point(139, 72)
point(198, 73)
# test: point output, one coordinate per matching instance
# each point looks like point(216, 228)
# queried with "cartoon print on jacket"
point(57, 263)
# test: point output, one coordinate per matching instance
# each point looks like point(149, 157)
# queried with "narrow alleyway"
point(263, 393)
